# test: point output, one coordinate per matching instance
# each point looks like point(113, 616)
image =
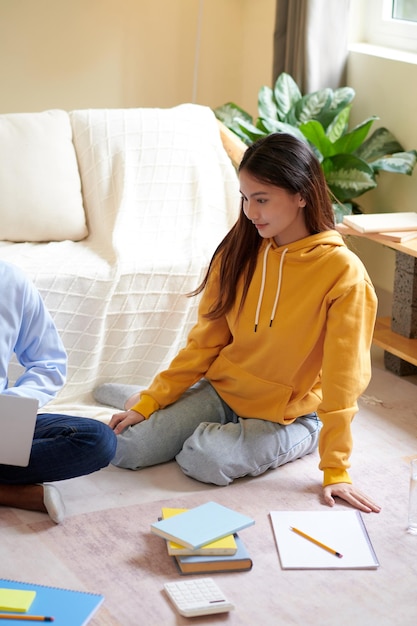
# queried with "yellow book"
point(222, 547)
point(16, 600)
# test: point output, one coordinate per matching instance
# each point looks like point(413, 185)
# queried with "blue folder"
point(67, 607)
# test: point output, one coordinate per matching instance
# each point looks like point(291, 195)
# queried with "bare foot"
point(29, 497)
point(44, 498)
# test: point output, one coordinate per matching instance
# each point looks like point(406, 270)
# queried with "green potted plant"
point(351, 160)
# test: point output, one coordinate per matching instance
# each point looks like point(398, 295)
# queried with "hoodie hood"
point(312, 245)
point(303, 250)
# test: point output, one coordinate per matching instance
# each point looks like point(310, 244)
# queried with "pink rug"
point(112, 552)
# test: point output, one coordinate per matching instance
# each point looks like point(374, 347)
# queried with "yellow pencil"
point(318, 543)
point(26, 618)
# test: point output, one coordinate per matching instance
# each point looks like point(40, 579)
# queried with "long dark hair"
point(284, 161)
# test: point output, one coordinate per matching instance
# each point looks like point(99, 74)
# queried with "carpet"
point(112, 552)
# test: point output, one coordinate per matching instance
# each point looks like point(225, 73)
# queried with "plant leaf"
point(286, 93)
point(349, 142)
point(399, 163)
point(230, 114)
point(227, 113)
point(326, 104)
point(340, 210)
point(251, 132)
point(310, 106)
point(348, 176)
point(379, 144)
point(275, 126)
point(341, 98)
point(316, 135)
point(267, 107)
point(339, 125)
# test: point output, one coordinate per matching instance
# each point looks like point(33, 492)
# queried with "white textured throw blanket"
point(159, 193)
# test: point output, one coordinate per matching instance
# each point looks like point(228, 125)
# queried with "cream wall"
point(385, 82)
point(127, 53)
point(387, 88)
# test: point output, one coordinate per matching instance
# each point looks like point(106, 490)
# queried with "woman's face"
point(275, 212)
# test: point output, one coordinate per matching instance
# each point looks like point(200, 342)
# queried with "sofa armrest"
point(232, 144)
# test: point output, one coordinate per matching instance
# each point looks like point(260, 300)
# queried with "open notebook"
point(17, 425)
point(344, 532)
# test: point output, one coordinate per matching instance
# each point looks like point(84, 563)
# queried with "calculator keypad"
point(198, 597)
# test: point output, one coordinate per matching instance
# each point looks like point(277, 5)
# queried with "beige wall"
point(386, 88)
point(126, 53)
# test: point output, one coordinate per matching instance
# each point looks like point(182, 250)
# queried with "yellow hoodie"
point(300, 344)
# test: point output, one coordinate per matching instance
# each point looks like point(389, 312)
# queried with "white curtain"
point(311, 42)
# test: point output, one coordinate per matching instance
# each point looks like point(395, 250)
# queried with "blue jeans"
point(63, 447)
point(210, 442)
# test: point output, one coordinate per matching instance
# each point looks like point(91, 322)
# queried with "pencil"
point(26, 618)
point(318, 543)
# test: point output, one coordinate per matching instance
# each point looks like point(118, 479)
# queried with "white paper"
point(343, 531)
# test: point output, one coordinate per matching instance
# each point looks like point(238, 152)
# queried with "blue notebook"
point(202, 524)
point(68, 608)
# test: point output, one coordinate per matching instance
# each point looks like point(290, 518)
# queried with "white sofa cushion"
point(40, 187)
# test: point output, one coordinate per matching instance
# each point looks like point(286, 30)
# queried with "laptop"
point(17, 425)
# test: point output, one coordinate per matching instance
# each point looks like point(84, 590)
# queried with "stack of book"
point(397, 227)
point(205, 539)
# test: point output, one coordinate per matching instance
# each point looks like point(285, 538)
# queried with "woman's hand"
point(132, 401)
point(350, 494)
point(120, 421)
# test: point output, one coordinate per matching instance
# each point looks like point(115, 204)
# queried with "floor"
point(110, 488)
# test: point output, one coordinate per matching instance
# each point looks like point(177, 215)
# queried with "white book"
point(336, 540)
point(382, 222)
point(399, 236)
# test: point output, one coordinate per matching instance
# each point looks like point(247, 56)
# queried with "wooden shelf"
point(394, 343)
point(407, 247)
point(384, 337)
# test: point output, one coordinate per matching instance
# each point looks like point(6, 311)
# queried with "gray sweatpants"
point(210, 442)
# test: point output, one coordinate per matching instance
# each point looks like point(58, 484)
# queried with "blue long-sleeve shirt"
point(27, 329)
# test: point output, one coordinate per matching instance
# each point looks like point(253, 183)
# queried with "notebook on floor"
point(17, 425)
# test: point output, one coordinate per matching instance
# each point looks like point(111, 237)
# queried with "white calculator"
point(197, 597)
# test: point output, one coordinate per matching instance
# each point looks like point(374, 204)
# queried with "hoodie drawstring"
point(262, 289)
point(281, 265)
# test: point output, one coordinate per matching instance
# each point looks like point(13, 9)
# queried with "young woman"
point(281, 349)
point(63, 446)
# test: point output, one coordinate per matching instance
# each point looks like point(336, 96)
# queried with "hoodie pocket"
point(249, 395)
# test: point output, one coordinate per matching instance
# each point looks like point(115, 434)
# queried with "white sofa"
point(114, 214)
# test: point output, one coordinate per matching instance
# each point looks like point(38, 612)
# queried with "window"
point(404, 10)
point(392, 23)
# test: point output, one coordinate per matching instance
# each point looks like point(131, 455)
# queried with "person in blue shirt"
point(63, 446)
